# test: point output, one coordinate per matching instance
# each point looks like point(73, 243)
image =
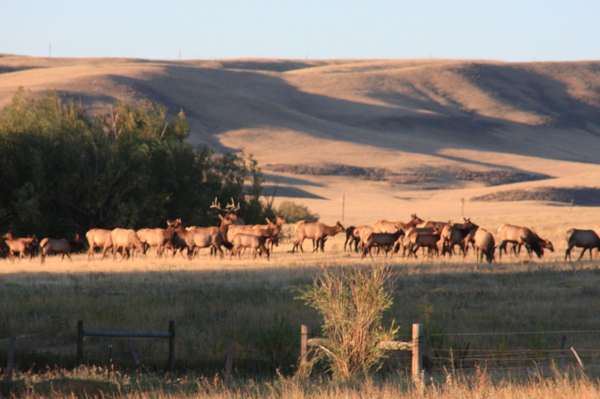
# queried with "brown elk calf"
point(255, 242)
point(586, 239)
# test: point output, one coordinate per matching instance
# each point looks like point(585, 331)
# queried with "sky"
point(510, 30)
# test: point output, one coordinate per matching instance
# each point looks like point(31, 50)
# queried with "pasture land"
point(250, 307)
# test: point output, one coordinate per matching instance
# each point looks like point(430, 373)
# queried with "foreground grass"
point(248, 310)
point(97, 382)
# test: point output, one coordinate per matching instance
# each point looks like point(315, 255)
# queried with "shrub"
point(64, 170)
point(293, 212)
point(352, 304)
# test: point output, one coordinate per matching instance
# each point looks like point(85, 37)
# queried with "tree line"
point(64, 169)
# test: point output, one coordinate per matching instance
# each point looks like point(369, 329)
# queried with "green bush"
point(293, 212)
point(63, 170)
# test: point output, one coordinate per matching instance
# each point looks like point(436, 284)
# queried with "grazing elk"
point(586, 239)
point(317, 232)
point(255, 242)
point(57, 246)
point(126, 242)
point(98, 239)
point(386, 241)
point(519, 236)
point(20, 246)
point(483, 243)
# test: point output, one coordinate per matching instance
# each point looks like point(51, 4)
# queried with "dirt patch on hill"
point(415, 176)
point(582, 196)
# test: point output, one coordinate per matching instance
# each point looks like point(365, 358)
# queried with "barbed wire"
point(500, 333)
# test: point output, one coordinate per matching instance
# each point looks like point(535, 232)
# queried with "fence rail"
point(169, 334)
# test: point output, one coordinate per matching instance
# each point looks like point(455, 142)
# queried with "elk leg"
point(581, 254)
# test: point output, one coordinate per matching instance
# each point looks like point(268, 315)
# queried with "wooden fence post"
point(303, 343)
point(171, 364)
point(79, 342)
point(417, 355)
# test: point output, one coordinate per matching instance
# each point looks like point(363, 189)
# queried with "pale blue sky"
point(500, 29)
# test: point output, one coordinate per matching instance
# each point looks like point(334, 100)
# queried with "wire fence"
point(463, 356)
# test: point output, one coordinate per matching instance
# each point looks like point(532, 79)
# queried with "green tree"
point(63, 170)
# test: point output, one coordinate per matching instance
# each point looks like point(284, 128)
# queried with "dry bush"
point(352, 303)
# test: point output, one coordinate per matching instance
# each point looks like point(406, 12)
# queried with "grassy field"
point(97, 382)
point(250, 306)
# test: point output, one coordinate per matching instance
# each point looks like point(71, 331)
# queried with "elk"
point(256, 242)
point(230, 211)
point(98, 239)
point(362, 233)
point(193, 238)
point(351, 242)
point(271, 231)
point(382, 240)
point(433, 224)
point(126, 242)
point(417, 238)
point(157, 238)
point(20, 246)
point(454, 234)
point(316, 231)
point(586, 239)
point(483, 242)
point(518, 235)
point(405, 242)
point(60, 246)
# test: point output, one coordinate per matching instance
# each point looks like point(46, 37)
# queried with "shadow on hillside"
point(561, 196)
point(221, 100)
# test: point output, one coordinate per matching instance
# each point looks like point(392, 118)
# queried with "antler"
point(216, 205)
point(232, 207)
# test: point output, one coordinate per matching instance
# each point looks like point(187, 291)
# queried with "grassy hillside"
point(430, 123)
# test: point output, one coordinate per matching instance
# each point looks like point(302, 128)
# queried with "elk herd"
point(384, 237)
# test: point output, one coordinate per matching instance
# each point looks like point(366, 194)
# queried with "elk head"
point(230, 211)
point(415, 219)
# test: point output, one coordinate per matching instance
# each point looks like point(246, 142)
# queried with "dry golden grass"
point(95, 382)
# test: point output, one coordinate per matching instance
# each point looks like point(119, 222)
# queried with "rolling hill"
point(392, 135)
